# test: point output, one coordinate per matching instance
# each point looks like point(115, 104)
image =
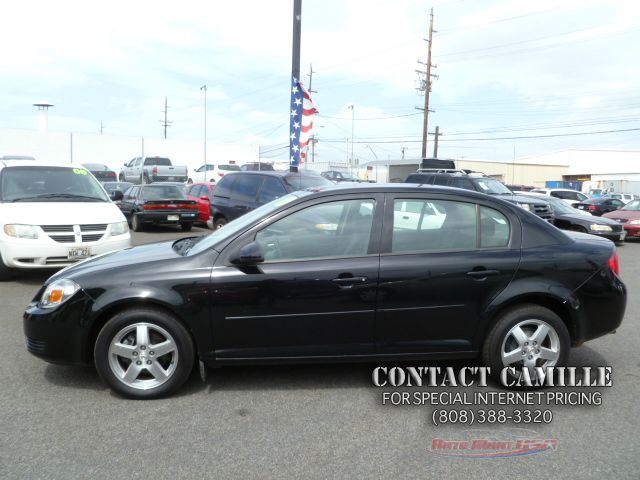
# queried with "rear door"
point(244, 194)
point(443, 259)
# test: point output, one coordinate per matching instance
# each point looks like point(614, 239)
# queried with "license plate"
point(78, 253)
point(173, 218)
point(171, 179)
point(622, 236)
point(581, 207)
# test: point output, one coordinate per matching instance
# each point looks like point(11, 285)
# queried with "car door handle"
point(482, 273)
point(349, 281)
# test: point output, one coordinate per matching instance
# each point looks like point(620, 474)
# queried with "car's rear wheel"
point(136, 223)
point(219, 223)
point(144, 353)
point(121, 178)
point(189, 181)
point(526, 336)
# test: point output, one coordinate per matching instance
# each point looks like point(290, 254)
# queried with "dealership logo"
point(487, 444)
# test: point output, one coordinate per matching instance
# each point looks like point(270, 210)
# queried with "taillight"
point(155, 171)
point(220, 174)
point(614, 263)
point(592, 208)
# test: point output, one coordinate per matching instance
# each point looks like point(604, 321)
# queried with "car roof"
point(36, 163)
point(279, 173)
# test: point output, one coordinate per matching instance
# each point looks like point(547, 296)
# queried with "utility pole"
point(164, 122)
point(435, 143)
point(101, 127)
point(313, 141)
point(427, 89)
point(402, 150)
point(310, 75)
point(295, 79)
point(353, 123)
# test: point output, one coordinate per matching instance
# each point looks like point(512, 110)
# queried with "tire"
point(219, 223)
point(155, 339)
point(189, 181)
point(186, 227)
point(550, 349)
point(145, 180)
point(136, 223)
point(121, 178)
point(6, 273)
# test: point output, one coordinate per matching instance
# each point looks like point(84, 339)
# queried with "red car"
point(202, 193)
point(629, 217)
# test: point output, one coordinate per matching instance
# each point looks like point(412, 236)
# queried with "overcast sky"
point(506, 69)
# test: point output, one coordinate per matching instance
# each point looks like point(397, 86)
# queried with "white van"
point(54, 215)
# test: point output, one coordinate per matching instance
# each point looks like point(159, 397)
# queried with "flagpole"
point(295, 57)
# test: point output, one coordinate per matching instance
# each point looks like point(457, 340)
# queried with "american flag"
point(302, 112)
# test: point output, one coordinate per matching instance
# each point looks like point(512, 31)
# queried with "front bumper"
point(58, 335)
point(44, 252)
point(632, 230)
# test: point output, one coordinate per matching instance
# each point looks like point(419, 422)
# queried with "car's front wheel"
point(144, 353)
point(526, 336)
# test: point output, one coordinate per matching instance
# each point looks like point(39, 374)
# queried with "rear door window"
point(272, 188)
point(246, 187)
point(224, 186)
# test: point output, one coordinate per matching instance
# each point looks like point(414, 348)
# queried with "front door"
point(313, 296)
point(443, 260)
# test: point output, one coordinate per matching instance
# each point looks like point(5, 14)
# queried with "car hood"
point(625, 214)
point(521, 199)
point(128, 258)
point(60, 213)
point(579, 218)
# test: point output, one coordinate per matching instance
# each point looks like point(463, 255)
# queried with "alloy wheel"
point(531, 343)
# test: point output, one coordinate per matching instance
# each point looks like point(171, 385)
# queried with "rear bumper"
point(168, 178)
point(163, 217)
point(599, 306)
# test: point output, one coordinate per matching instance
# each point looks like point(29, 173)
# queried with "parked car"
point(623, 197)
point(202, 194)
point(53, 215)
point(158, 204)
point(257, 166)
point(569, 218)
point(241, 192)
point(629, 217)
point(336, 176)
point(113, 187)
point(479, 183)
point(598, 206)
point(211, 172)
point(329, 276)
point(596, 192)
point(102, 172)
point(520, 188)
point(152, 169)
point(572, 197)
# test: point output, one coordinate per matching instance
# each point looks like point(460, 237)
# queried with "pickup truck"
point(152, 169)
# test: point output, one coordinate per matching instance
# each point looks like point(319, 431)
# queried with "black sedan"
point(102, 172)
point(159, 204)
point(341, 274)
point(569, 218)
point(600, 205)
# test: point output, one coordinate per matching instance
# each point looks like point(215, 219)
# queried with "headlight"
point(58, 292)
point(119, 228)
point(526, 206)
point(21, 231)
point(634, 222)
point(600, 228)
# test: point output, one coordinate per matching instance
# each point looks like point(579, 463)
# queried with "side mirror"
point(117, 195)
point(250, 254)
point(205, 198)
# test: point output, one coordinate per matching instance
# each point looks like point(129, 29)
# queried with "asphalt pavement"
point(323, 421)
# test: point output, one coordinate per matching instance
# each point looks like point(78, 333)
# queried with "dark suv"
point(480, 183)
point(240, 192)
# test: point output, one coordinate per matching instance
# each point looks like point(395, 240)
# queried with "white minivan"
point(54, 215)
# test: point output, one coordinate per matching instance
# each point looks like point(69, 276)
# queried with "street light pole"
point(352, 130)
point(204, 89)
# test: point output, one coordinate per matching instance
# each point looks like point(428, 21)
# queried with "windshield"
point(49, 184)
point(633, 206)
point(236, 226)
point(492, 186)
point(302, 182)
point(163, 162)
point(163, 192)
point(229, 168)
point(560, 206)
